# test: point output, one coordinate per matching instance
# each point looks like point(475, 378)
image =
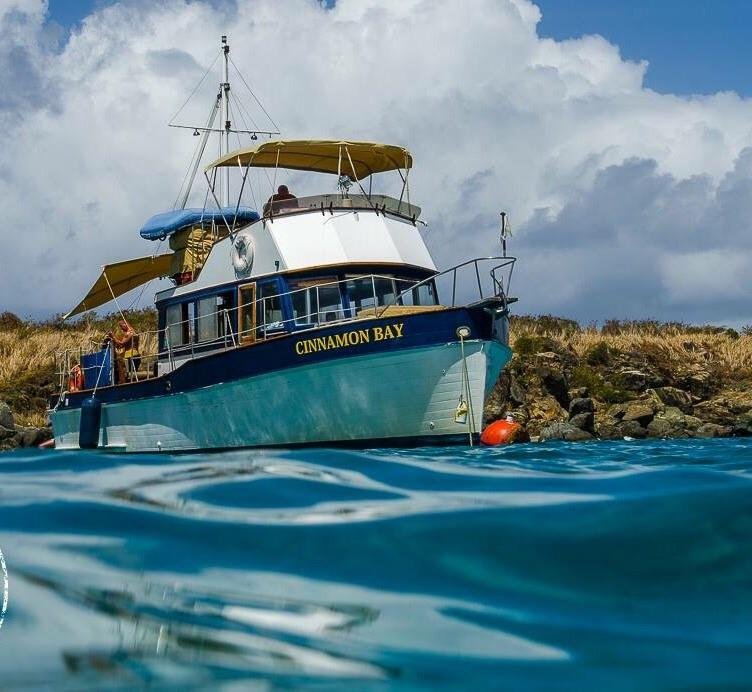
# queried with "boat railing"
point(163, 351)
point(331, 203)
point(492, 276)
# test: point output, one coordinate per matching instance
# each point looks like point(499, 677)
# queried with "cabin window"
point(206, 319)
point(425, 294)
point(272, 308)
point(178, 332)
point(365, 292)
point(315, 301)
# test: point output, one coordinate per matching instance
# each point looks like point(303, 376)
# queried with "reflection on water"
point(624, 565)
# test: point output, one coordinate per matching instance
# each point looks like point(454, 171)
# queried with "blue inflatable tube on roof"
point(162, 225)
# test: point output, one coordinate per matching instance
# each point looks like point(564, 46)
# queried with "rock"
point(32, 437)
point(6, 416)
point(6, 433)
point(660, 427)
point(582, 393)
point(583, 421)
point(553, 379)
point(713, 430)
point(672, 396)
point(541, 412)
point(608, 431)
point(638, 412)
point(637, 380)
point(714, 411)
point(517, 393)
point(631, 428)
point(743, 425)
point(582, 405)
point(564, 431)
point(617, 411)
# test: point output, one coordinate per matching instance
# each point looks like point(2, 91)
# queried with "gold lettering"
point(299, 346)
point(320, 343)
point(388, 332)
point(398, 328)
point(353, 338)
point(330, 343)
point(364, 336)
point(341, 340)
point(378, 333)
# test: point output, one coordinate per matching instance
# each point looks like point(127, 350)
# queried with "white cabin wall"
point(301, 241)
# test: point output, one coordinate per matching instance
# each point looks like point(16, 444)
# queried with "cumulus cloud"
point(625, 202)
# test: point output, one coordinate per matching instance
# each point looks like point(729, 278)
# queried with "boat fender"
point(91, 417)
point(242, 253)
point(501, 432)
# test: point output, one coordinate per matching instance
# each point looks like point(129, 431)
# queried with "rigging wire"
point(276, 127)
point(196, 88)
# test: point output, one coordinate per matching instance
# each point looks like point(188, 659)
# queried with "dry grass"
point(27, 356)
point(725, 350)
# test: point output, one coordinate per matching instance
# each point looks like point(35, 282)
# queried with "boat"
point(316, 320)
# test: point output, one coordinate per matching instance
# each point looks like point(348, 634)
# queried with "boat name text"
point(351, 338)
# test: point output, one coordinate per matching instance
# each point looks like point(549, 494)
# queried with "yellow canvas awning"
point(122, 277)
point(321, 156)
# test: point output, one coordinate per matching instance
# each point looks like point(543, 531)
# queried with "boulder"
point(582, 393)
point(6, 416)
point(541, 412)
point(617, 411)
point(517, 393)
point(32, 437)
point(632, 428)
point(743, 425)
point(713, 430)
point(608, 431)
point(581, 405)
point(672, 396)
point(714, 411)
point(583, 421)
point(637, 380)
point(660, 427)
point(551, 373)
point(6, 433)
point(639, 412)
point(564, 431)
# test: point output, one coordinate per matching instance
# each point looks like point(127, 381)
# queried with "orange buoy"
point(49, 444)
point(500, 432)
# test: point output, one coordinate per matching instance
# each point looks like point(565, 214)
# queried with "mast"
point(224, 145)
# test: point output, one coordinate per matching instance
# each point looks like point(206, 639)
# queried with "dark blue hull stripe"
point(355, 338)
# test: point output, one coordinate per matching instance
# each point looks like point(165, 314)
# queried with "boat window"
point(206, 319)
point(364, 292)
point(247, 312)
point(178, 332)
point(270, 308)
point(425, 294)
point(315, 301)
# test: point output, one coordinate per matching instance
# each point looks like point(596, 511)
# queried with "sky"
point(617, 135)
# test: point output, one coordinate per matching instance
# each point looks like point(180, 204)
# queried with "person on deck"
point(75, 377)
point(126, 351)
point(280, 200)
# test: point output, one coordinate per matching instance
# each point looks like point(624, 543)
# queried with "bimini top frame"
point(357, 160)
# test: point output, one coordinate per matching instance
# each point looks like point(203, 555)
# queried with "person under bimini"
point(282, 199)
point(126, 351)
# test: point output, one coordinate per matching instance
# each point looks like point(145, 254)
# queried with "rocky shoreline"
point(556, 393)
point(13, 436)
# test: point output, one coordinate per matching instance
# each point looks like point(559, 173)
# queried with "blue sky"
point(693, 46)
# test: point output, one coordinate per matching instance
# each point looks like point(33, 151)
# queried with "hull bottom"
point(407, 397)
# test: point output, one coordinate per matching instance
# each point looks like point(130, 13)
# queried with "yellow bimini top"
point(357, 160)
point(121, 277)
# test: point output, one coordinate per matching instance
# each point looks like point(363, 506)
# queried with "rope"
point(208, 69)
point(466, 388)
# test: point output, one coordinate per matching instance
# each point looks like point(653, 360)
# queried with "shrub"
point(600, 354)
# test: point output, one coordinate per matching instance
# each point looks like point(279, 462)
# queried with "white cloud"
point(611, 186)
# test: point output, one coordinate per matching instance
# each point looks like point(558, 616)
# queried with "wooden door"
point(247, 313)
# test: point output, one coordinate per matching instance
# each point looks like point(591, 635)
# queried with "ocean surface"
point(602, 566)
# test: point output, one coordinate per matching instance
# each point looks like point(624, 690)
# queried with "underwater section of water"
point(616, 566)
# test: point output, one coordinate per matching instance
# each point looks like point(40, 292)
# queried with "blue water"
point(606, 566)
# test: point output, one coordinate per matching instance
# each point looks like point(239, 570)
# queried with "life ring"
point(242, 253)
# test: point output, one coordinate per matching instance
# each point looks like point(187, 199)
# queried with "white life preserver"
point(242, 253)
